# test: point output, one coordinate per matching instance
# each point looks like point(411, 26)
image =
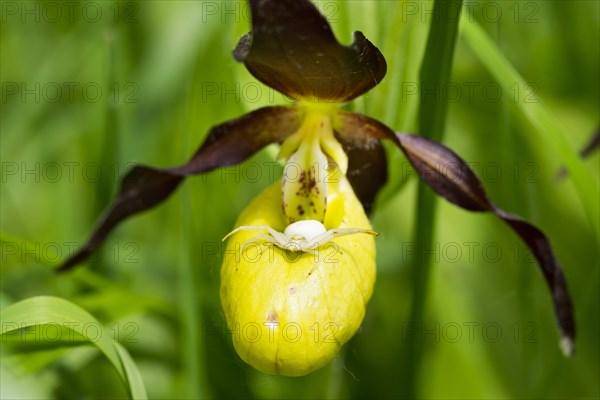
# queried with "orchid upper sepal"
point(293, 50)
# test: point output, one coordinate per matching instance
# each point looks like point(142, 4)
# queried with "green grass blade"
point(43, 310)
point(435, 70)
point(533, 109)
point(435, 74)
point(134, 378)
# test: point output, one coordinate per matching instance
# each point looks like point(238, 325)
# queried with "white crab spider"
point(305, 235)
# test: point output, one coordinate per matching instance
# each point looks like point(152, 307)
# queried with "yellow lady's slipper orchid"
point(290, 313)
point(291, 309)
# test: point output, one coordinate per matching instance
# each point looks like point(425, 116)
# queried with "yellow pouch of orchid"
point(289, 313)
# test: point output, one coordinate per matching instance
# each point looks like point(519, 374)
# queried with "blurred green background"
point(89, 88)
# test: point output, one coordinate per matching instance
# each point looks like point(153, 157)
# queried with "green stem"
point(190, 312)
point(110, 146)
point(105, 190)
point(421, 267)
point(435, 74)
point(334, 388)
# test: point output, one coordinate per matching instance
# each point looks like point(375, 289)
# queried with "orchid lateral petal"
point(540, 247)
point(141, 189)
point(446, 173)
point(367, 169)
point(292, 49)
point(592, 145)
point(450, 177)
point(227, 144)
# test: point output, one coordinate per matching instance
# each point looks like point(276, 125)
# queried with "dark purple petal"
point(592, 144)
point(230, 143)
point(361, 130)
point(450, 177)
point(446, 173)
point(292, 49)
point(540, 247)
point(367, 169)
point(587, 150)
point(141, 189)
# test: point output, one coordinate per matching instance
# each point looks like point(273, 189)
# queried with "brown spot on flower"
point(292, 290)
point(302, 177)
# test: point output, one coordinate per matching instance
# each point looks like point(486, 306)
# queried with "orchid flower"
point(299, 268)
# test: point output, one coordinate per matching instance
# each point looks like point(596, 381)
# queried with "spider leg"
point(277, 235)
point(317, 259)
point(244, 228)
point(333, 233)
point(350, 231)
point(257, 238)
